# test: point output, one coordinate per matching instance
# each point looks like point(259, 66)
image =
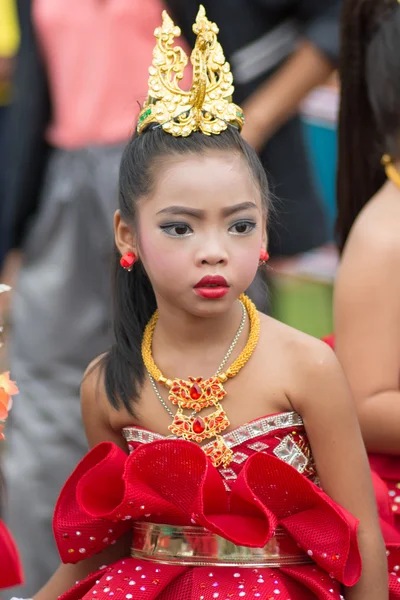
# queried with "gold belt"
point(196, 546)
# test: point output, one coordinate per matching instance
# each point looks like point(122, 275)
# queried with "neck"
point(190, 332)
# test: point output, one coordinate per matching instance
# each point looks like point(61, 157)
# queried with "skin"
point(288, 370)
point(367, 319)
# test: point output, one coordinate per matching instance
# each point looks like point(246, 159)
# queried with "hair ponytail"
point(134, 303)
point(368, 118)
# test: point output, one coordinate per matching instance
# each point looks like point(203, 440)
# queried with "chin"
point(209, 307)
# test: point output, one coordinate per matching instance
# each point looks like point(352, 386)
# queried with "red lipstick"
point(212, 287)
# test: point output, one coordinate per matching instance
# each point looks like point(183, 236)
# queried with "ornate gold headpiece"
point(208, 105)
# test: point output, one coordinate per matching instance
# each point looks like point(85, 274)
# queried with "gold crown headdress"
point(207, 106)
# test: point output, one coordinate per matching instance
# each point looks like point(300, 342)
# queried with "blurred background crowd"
point(72, 78)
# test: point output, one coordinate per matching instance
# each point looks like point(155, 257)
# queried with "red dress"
point(10, 566)
point(270, 484)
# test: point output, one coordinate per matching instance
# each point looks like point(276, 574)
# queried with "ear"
point(124, 234)
point(264, 238)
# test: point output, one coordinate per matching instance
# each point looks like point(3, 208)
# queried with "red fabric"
point(10, 565)
point(172, 481)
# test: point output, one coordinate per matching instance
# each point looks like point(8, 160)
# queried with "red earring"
point(128, 260)
point(264, 257)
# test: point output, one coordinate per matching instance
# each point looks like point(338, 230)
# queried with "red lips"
point(212, 281)
point(212, 287)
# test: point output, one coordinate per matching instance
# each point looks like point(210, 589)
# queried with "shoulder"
point(371, 256)
point(375, 233)
point(304, 366)
point(302, 356)
point(96, 409)
point(93, 384)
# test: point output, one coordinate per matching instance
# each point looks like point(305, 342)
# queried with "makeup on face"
point(212, 287)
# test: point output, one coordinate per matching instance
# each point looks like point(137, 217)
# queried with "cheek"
point(163, 260)
point(244, 259)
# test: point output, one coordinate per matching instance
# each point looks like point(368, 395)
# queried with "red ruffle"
point(10, 565)
point(173, 482)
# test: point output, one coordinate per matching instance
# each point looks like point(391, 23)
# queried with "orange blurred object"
point(8, 389)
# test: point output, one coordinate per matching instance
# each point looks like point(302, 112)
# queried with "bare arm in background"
point(367, 321)
point(277, 99)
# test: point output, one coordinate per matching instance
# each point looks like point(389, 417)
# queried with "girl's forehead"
point(203, 177)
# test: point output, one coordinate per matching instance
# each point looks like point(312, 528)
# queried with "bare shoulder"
point(375, 233)
point(294, 343)
point(305, 362)
point(93, 378)
point(96, 408)
point(93, 393)
point(371, 257)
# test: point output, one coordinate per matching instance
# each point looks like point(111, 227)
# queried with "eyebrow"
point(197, 213)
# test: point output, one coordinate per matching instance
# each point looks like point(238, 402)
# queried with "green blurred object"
point(305, 305)
point(302, 291)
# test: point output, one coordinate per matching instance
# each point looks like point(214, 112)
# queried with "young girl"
point(221, 494)
point(367, 293)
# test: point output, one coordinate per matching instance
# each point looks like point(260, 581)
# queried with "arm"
point(323, 399)
point(367, 328)
point(67, 575)
point(278, 98)
point(97, 427)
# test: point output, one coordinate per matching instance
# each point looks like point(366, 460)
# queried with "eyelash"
point(168, 229)
point(250, 224)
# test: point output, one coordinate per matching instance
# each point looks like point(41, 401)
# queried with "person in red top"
point(367, 289)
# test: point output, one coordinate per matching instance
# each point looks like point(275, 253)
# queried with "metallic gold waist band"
point(196, 546)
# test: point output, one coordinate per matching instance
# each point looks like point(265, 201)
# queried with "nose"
point(212, 252)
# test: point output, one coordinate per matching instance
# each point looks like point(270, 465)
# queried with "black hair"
point(134, 299)
point(369, 118)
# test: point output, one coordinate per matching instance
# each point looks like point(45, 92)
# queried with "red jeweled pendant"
point(195, 391)
point(218, 452)
point(197, 429)
point(198, 425)
point(196, 394)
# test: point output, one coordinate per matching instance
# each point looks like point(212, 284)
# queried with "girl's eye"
point(177, 229)
point(242, 227)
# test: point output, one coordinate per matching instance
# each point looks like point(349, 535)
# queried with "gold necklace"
point(197, 394)
point(391, 172)
point(221, 366)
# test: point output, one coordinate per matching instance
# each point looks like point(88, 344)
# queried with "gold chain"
point(235, 366)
